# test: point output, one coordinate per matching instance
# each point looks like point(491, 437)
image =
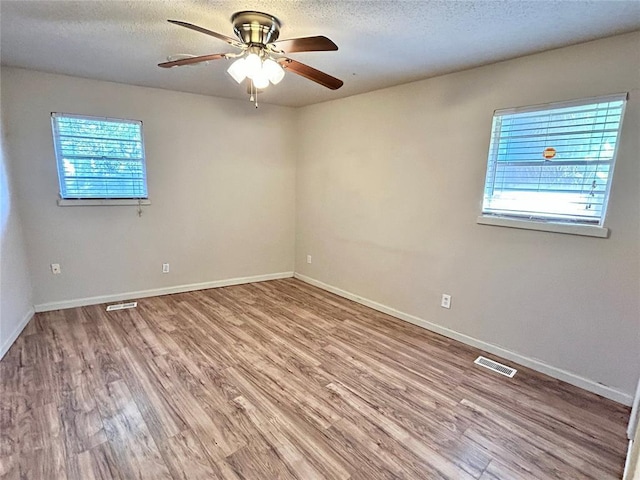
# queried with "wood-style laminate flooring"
point(281, 380)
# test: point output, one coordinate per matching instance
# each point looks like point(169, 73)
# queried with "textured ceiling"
point(381, 43)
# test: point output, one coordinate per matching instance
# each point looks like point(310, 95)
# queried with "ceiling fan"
point(262, 59)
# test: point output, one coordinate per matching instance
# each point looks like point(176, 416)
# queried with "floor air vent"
point(122, 306)
point(495, 366)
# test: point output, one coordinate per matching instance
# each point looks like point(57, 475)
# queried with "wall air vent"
point(495, 366)
point(121, 306)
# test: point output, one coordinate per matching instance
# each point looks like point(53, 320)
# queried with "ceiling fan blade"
point(192, 60)
point(311, 73)
point(224, 38)
point(305, 44)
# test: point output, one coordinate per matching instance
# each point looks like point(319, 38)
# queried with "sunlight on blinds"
point(99, 157)
point(554, 162)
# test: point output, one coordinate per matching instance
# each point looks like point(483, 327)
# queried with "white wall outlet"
point(55, 269)
point(446, 301)
point(165, 268)
point(308, 258)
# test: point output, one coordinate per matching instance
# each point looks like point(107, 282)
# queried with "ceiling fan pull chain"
point(253, 93)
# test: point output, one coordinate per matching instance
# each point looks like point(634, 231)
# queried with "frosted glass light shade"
point(253, 65)
point(260, 79)
point(275, 73)
point(238, 70)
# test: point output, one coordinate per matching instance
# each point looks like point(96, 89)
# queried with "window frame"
point(96, 201)
point(539, 222)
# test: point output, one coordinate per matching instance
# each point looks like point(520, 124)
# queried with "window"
point(553, 163)
point(99, 159)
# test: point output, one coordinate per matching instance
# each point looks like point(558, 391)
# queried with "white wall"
point(15, 286)
point(389, 185)
point(221, 178)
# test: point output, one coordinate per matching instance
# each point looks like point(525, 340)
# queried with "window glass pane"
point(554, 162)
point(99, 158)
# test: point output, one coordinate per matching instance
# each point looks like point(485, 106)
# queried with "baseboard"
point(6, 345)
point(539, 366)
point(81, 302)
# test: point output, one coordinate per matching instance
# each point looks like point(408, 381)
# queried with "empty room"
point(255, 240)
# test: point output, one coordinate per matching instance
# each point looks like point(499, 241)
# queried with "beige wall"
point(15, 286)
point(389, 185)
point(221, 183)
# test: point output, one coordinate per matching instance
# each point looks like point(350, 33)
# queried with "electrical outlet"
point(55, 269)
point(308, 258)
point(446, 301)
point(165, 268)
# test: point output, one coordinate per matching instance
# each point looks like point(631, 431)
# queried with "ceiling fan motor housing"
point(256, 27)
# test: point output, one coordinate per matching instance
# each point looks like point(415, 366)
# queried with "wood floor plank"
point(157, 409)
point(280, 385)
point(47, 462)
point(287, 420)
point(218, 439)
point(10, 467)
point(435, 425)
point(81, 421)
point(98, 463)
point(363, 451)
point(253, 462)
point(525, 456)
point(573, 454)
point(497, 471)
point(280, 379)
point(599, 434)
point(441, 465)
point(133, 446)
point(278, 441)
point(186, 458)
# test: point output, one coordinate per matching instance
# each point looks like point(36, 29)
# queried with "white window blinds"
point(554, 162)
point(99, 158)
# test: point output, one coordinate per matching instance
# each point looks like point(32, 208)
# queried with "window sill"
point(103, 202)
point(585, 230)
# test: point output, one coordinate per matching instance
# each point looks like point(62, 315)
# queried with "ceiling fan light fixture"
point(261, 57)
point(253, 65)
point(238, 70)
point(261, 80)
point(273, 70)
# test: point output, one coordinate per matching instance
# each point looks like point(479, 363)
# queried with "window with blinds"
point(99, 158)
point(554, 163)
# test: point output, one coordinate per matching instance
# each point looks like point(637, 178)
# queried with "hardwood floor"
point(280, 380)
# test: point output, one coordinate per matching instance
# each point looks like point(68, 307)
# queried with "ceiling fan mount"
point(262, 58)
point(256, 27)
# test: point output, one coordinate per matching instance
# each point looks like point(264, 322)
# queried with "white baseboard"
point(81, 302)
point(6, 345)
point(573, 379)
